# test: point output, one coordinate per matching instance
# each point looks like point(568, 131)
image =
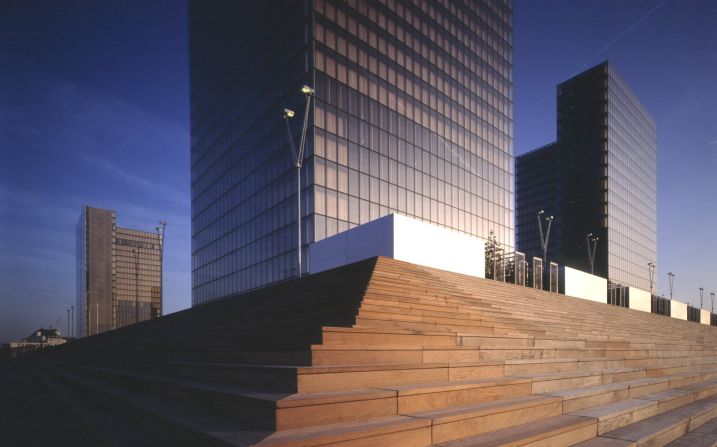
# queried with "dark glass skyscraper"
point(599, 177)
point(413, 114)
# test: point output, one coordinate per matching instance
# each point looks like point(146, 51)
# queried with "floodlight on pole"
point(591, 251)
point(298, 156)
point(712, 296)
point(160, 233)
point(671, 277)
point(702, 289)
point(651, 272)
point(136, 284)
point(544, 239)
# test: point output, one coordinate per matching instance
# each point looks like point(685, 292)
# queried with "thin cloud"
point(603, 49)
point(619, 36)
point(129, 178)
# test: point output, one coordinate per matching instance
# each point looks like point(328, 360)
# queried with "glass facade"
point(412, 114)
point(137, 287)
point(632, 186)
point(605, 172)
point(119, 273)
point(95, 275)
point(540, 190)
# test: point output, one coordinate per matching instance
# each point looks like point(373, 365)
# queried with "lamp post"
point(160, 233)
point(712, 296)
point(298, 157)
point(651, 271)
point(591, 252)
point(68, 322)
point(72, 327)
point(544, 239)
point(136, 284)
point(671, 277)
point(702, 289)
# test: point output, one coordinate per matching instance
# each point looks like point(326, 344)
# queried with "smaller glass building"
point(598, 178)
point(119, 273)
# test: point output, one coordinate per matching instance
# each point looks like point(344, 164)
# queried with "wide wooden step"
point(390, 431)
point(664, 428)
point(555, 431)
point(465, 421)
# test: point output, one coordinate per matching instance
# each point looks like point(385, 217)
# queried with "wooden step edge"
point(212, 430)
point(428, 388)
point(371, 432)
point(453, 414)
point(668, 426)
point(303, 370)
point(560, 430)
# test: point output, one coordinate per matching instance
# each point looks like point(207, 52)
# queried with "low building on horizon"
point(119, 273)
point(39, 339)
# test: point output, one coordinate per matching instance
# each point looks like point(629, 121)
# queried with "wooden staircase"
point(386, 353)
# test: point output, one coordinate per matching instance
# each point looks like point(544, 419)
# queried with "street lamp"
point(136, 284)
point(160, 233)
point(702, 289)
point(69, 334)
point(712, 295)
point(651, 270)
point(671, 277)
point(544, 239)
point(298, 157)
point(72, 327)
point(591, 252)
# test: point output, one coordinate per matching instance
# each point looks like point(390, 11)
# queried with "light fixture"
point(288, 113)
point(307, 90)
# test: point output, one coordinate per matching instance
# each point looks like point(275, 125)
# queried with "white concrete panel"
point(584, 285)
point(374, 238)
point(704, 316)
point(425, 244)
point(401, 238)
point(678, 310)
point(640, 299)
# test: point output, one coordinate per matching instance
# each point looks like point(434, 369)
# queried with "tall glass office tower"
point(599, 177)
point(119, 273)
point(413, 114)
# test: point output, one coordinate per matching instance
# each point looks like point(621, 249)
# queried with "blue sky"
point(94, 110)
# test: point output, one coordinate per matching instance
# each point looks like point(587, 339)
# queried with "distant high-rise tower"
point(598, 178)
point(413, 114)
point(119, 273)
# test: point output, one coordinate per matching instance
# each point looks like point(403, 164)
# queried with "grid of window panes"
point(632, 183)
point(582, 139)
point(95, 277)
point(538, 188)
point(138, 274)
point(413, 114)
point(247, 63)
point(81, 275)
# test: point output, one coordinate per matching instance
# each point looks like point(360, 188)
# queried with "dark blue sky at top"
point(94, 110)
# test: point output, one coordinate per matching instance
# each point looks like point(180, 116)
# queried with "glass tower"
point(413, 114)
point(119, 273)
point(602, 174)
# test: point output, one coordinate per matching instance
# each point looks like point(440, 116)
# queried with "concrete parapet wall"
point(640, 299)
point(584, 285)
point(678, 310)
point(400, 237)
point(704, 316)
